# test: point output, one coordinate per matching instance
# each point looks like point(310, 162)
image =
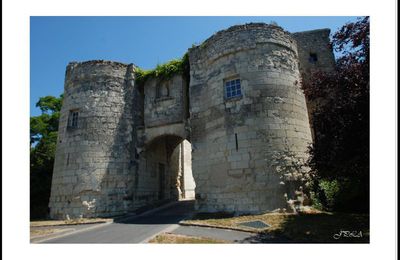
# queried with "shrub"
point(344, 195)
point(164, 71)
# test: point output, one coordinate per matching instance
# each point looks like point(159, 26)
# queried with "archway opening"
point(165, 172)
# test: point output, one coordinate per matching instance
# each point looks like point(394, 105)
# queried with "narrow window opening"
point(73, 119)
point(313, 58)
point(68, 159)
point(237, 144)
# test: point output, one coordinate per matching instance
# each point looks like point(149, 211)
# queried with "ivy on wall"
point(164, 71)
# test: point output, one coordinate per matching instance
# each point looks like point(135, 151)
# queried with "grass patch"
point(45, 232)
point(168, 238)
point(274, 220)
point(317, 227)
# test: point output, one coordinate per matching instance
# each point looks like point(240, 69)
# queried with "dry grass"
point(168, 238)
point(47, 223)
point(274, 220)
point(45, 232)
point(315, 227)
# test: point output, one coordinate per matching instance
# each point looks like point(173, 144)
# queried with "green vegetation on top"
point(164, 71)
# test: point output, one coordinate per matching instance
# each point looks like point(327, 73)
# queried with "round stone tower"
point(94, 163)
point(249, 122)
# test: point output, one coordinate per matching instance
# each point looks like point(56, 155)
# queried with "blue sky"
point(144, 41)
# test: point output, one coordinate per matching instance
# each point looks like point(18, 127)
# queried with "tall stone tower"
point(249, 119)
point(94, 164)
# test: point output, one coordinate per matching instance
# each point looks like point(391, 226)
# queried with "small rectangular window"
point(313, 58)
point(73, 119)
point(233, 88)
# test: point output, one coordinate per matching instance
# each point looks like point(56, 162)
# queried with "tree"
point(43, 135)
point(339, 157)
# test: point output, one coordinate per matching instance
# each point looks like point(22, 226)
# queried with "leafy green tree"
point(43, 140)
point(340, 153)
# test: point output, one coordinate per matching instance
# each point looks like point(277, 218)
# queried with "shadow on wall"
point(118, 180)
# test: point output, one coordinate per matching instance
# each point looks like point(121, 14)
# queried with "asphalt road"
point(132, 230)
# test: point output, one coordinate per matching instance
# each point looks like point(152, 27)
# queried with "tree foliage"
point(43, 135)
point(340, 153)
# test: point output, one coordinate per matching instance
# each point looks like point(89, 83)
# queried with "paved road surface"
point(133, 230)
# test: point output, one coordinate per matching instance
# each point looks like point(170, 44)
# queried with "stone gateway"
point(233, 135)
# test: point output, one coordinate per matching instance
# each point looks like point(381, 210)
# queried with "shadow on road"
point(169, 215)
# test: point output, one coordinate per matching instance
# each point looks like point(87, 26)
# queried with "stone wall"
point(189, 183)
point(176, 168)
point(148, 185)
point(237, 142)
point(311, 44)
point(94, 162)
point(164, 101)
point(182, 181)
point(160, 166)
point(315, 54)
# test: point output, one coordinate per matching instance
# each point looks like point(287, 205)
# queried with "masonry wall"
point(176, 172)
point(182, 182)
point(95, 161)
point(189, 183)
point(237, 143)
point(164, 101)
point(148, 187)
point(315, 42)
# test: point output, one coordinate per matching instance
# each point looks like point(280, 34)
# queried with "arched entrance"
point(165, 172)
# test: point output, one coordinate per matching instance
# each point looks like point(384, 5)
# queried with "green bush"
point(343, 195)
point(340, 100)
point(331, 190)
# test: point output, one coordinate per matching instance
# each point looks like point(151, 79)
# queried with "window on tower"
point(233, 88)
point(73, 119)
point(313, 58)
